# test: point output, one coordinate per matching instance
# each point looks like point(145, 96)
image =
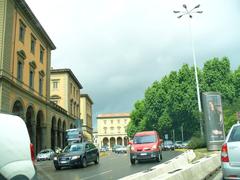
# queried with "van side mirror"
point(130, 143)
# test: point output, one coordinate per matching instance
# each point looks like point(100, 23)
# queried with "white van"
point(16, 150)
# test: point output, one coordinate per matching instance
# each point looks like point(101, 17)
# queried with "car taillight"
point(32, 151)
point(224, 153)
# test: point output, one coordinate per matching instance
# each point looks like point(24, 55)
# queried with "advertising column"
point(213, 116)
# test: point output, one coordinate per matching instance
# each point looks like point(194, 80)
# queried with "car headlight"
point(132, 148)
point(55, 158)
point(75, 157)
point(154, 146)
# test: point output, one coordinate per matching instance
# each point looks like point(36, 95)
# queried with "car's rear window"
point(235, 134)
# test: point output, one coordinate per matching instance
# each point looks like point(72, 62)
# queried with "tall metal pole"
point(190, 14)
point(196, 78)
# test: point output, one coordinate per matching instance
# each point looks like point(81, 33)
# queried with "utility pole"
point(190, 13)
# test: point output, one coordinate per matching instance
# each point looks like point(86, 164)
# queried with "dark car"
point(77, 155)
point(168, 145)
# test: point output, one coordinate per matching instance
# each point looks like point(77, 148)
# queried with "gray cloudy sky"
point(117, 48)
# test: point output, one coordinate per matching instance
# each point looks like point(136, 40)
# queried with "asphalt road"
point(113, 166)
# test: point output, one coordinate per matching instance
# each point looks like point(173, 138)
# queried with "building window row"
point(32, 67)
point(22, 32)
point(74, 108)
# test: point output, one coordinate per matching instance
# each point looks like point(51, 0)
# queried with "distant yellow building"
point(112, 129)
point(86, 116)
point(65, 91)
point(25, 61)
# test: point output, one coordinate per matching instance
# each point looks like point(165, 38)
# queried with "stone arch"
point(119, 140)
point(59, 131)
point(30, 123)
point(126, 140)
point(18, 108)
point(39, 131)
point(64, 133)
point(54, 133)
point(112, 141)
point(105, 141)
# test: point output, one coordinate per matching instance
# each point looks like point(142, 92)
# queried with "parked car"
point(146, 145)
point(115, 147)
point(104, 149)
point(185, 144)
point(17, 152)
point(77, 155)
point(230, 156)
point(178, 144)
point(45, 154)
point(168, 145)
point(121, 149)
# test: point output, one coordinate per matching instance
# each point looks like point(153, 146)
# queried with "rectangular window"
point(71, 88)
point(33, 44)
point(74, 92)
point(19, 70)
point(55, 85)
point(41, 54)
point(40, 85)
point(22, 29)
point(31, 78)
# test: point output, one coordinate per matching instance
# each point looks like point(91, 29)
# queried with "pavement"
point(112, 166)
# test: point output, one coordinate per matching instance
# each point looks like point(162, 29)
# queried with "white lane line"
point(89, 177)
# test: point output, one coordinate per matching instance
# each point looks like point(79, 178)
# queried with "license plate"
point(143, 154)
point(63, 162)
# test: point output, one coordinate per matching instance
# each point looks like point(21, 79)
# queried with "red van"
point(145, 145)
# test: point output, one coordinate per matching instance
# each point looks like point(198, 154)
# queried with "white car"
point(121, 149)
point(45, 154)
point(16, 150)
point(230, 154)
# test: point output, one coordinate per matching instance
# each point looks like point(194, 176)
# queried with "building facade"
point(112, 129)
point(86, 116)
point(65, 91)
point(25, 59)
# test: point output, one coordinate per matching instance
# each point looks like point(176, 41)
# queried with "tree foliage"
point(171, 102)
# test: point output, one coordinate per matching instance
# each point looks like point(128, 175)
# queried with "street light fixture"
point(190, 13)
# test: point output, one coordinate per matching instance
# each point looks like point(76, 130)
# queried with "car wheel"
point(84, 162)
point(97, 160)
point(133, 161)
point(57, 168)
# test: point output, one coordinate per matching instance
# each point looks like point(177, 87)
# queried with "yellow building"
point(25, 60)
point(86, 116)
point(65, 91)
point(112, 129)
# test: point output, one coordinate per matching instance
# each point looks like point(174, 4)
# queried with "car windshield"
point(73, 148)
point(44, 151)
point(144, 139)
point(168, 142)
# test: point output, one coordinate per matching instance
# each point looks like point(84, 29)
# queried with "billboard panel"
point(213, 116)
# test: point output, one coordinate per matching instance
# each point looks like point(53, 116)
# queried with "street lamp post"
point(190, 13)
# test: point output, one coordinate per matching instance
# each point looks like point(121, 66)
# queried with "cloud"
point(118, 48)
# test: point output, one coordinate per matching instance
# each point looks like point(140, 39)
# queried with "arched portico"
point(39, 131)
point(119, 140)
point(31, 124)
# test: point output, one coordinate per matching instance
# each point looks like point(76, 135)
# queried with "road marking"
point(89, 177)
